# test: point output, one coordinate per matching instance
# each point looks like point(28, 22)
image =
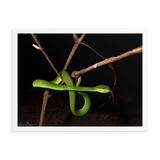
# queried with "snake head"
point(102, 89)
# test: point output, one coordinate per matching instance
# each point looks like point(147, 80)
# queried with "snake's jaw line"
point(102, 89)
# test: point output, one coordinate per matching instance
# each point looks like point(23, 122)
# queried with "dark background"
point(126, 110)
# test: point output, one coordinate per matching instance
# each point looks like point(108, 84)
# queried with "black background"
point(32, 65)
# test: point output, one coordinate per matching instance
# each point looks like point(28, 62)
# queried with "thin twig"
point(75, 37)
point(76, 44)
point(111, 66)
point(45, 54)
point(93, 50)
point(46, 94)
point(115, 80)
point(109, 60)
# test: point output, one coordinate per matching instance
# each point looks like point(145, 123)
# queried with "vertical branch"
point(46, 96)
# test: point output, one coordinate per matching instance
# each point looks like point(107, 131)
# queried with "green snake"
point(72, 88)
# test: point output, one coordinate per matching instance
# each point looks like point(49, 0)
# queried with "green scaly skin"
point(72, 88)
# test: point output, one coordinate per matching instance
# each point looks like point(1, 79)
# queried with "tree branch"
point(93, 50)
point(109, 60)
point(77, 42)
point(46, 96)
point(110, 65)
point(45, 54)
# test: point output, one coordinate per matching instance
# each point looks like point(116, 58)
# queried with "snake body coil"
point(72, 88)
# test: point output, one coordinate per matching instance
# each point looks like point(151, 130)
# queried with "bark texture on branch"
point(109, 60)
point(46, 96)
point(45, 54)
